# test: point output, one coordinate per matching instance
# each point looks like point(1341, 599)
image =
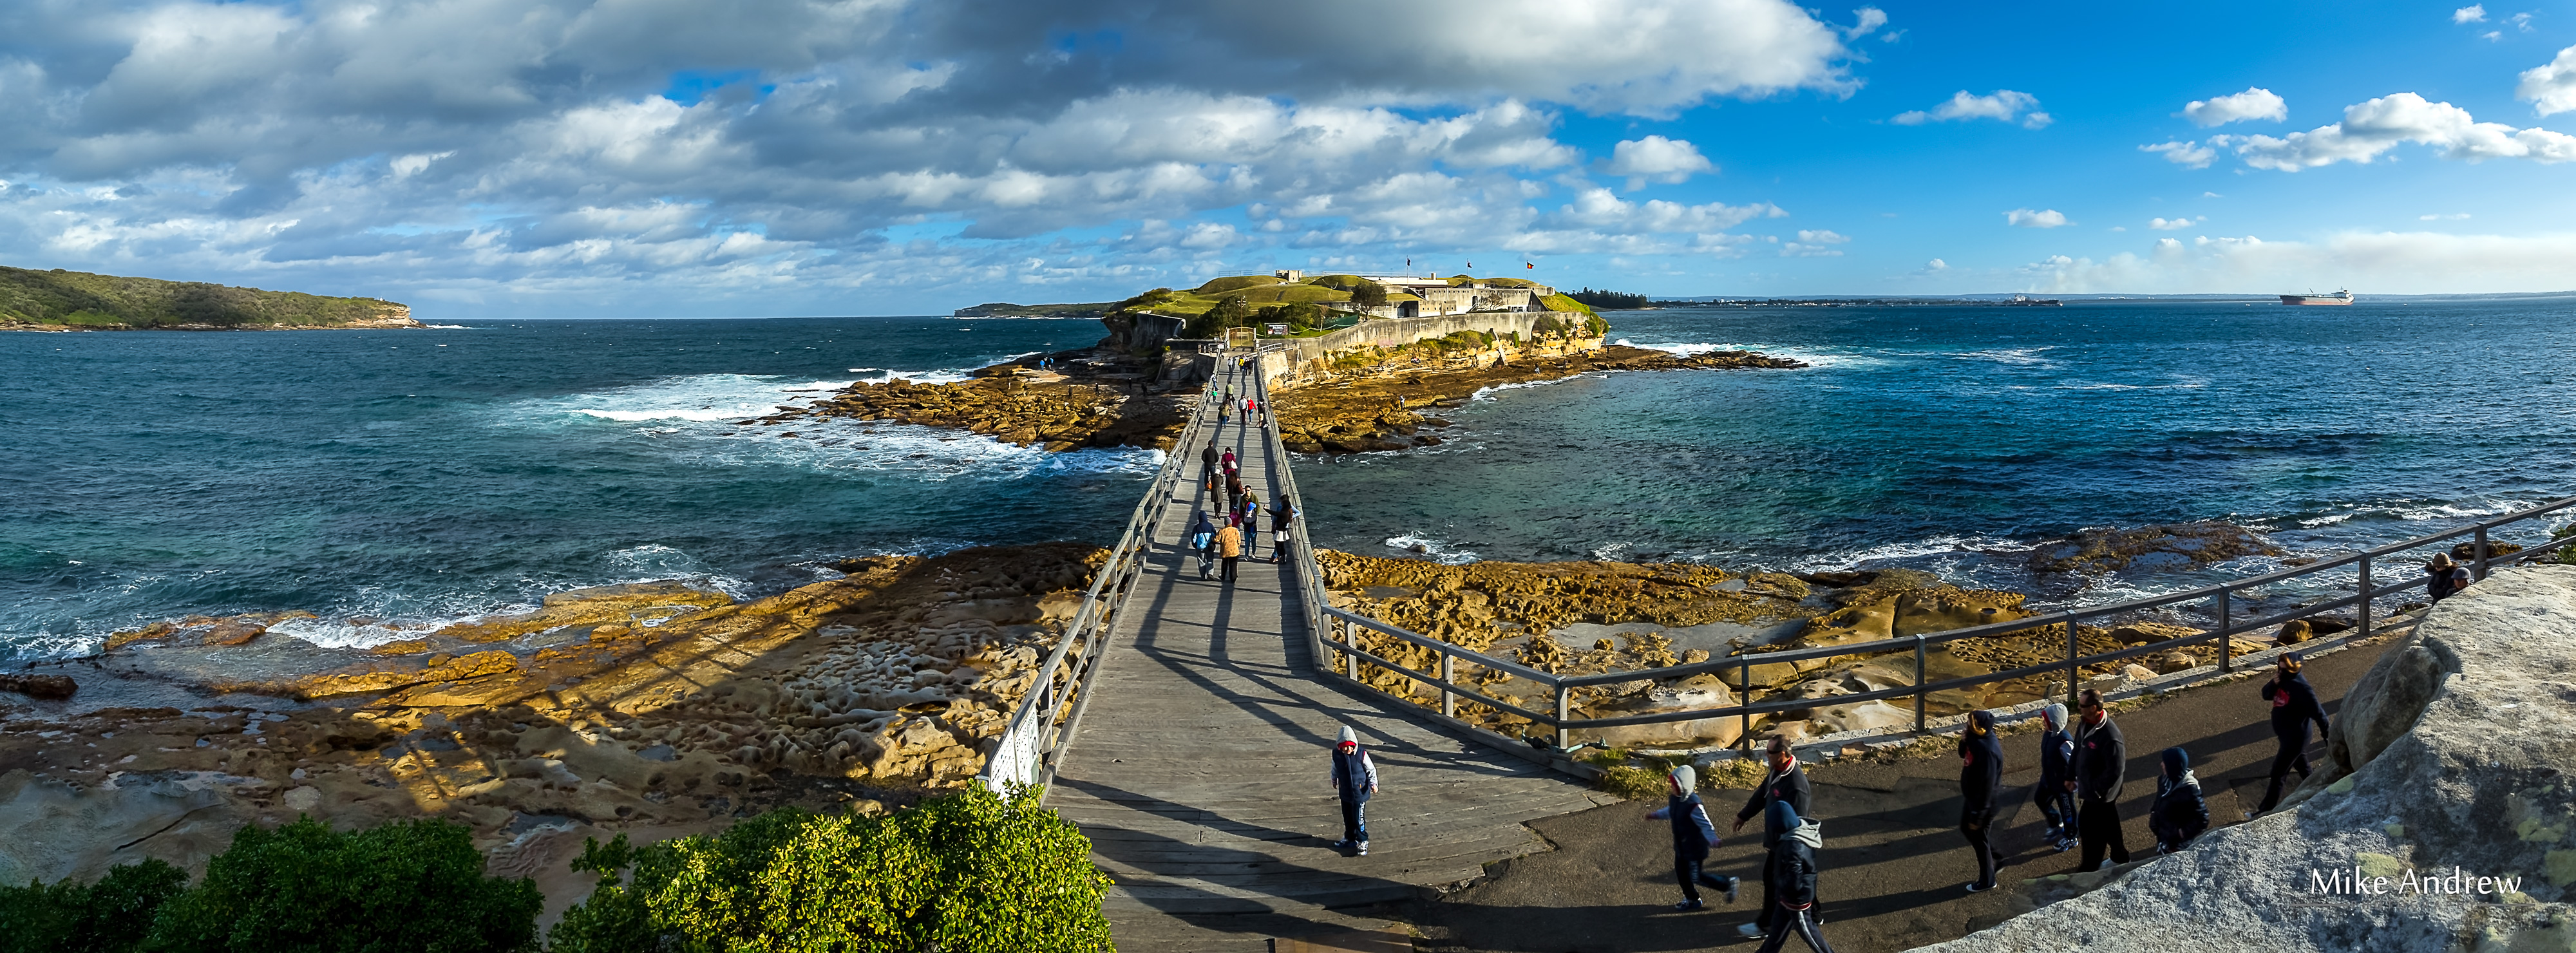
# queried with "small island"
point(60, 300)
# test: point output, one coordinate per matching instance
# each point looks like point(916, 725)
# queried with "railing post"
point(1561, 694)
point(1918, 684)
point(2482, 552)
point(2365, 590)
point(1350, 659)
point(1743, 698)
point(2071, 686)
point(2226, 642)
point(1448, 702)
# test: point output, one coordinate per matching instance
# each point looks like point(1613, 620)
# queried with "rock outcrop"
point(1356, 408)
point(1012, 407)
point(2150, 547)
point(2451, 762)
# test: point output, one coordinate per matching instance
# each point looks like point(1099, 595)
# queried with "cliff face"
point(2451, 762)
point(71, 300)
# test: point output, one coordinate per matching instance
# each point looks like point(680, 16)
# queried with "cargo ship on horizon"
point(2339, 297)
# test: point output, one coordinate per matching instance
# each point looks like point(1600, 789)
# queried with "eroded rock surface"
point(1011, 407)
point(2452, 758)
point(1356, 408)
point(2150, 547)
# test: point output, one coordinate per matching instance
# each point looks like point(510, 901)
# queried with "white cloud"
point(2254, 103)
point(2049, 218)
point(2002, 104)
point(1596, 208)
point(1936, 265)
point(1805, 250)
point(2367, 262)
point(2473, 13)
point(2520, 21)
point(1865, 21)
point(2174, 224)
point(1822, 237)
point(1656, 159)
point(2453, 217)
point(2187, 154)
point(2550, 87)
point(2373, 127)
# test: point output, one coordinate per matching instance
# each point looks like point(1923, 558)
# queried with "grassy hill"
point(65, 300)
point(1007, 309)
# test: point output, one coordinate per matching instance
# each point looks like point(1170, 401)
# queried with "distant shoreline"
point(389, 325)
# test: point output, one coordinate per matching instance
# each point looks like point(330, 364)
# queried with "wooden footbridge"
point(1201, 770)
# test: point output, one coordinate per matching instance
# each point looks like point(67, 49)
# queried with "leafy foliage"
point(80, 299)
point(111, 916)
point(405, 885)
point(1610, 300)
point(1369, 294)
point(972, 872)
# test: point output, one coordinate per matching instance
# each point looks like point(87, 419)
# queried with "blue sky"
point(662, 158)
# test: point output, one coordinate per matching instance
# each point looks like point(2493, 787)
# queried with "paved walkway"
point(1200, 770)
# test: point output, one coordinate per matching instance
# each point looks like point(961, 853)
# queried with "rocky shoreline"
point(1384, 402)
point(1058, 413)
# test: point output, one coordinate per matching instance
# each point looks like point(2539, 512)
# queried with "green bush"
point(972, 872)
point(406, 885)
point(1369, 294)
point(111, 916)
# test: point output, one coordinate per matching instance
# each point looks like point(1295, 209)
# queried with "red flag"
point(1529, 266)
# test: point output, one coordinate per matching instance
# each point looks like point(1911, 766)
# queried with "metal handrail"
point(1048, 715)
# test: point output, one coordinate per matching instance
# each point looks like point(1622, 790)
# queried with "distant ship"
point(2339, 297)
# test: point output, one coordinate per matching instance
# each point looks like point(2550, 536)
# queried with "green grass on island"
point(75, 300)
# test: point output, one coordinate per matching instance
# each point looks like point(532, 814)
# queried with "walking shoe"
point(2065, 845)
point(1687, 906)
point(1980, 888)
point(1749, 931)
point(1340, 845)
point(1730, 889)
point(1363, 848)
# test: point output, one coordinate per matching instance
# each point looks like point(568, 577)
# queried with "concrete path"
point(1200, 770)
point(1894, 865)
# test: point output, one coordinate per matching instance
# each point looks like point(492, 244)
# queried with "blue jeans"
point(2057, 804)
point(1355, 820)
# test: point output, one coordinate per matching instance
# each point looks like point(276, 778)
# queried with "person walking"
point(2294, 706)
point(1229, 548)
point(1248, 516)
point(2179, 813)
point(1693, 836)
point(1354, 779)
point(2056, 764)
point(1229, 462)
point(1282, 513)
point(1789, 880)
point(1786, 784)
point(1207, 457)
point(1203, 542)
point(2101, 764)
point(1981, 780)
point(1224, 412)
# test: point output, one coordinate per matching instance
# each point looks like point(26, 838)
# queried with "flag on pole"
point(1529, 266)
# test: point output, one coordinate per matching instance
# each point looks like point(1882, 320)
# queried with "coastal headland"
point(59, 300)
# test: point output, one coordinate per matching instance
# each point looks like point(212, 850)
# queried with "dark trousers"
point(1802, 922)
point(2057, 804)
point(1229, 562)
point(1769, 918)
point(1687, 873)
point(1978, 824)
point(2293, 755)
point(1354, 820)
point(2097, 825)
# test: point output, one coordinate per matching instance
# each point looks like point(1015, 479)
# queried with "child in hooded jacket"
point(1791, 876)
point(2056, 764)
point(1693, 837)
point(2180, 813)
point(1354, 779)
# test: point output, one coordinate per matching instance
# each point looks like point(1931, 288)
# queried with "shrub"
point(1369, 294)
point(111, 916)
point(406, 885)
point(970, 872)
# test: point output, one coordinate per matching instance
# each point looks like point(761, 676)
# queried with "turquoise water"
point(426, 475)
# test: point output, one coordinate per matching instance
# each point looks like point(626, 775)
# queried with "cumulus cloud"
point(2366, 262)
point(2473, 13)
point(2550, 87)
point(2254, 103)
point(2371, 128)
point(1597, 208)
point(2174, 224)
point(2046, 218)
point(1656, 159)
point(664, 150)
point(1936, 265)
point(1865, 21)
point(1821, 236)
point(2187, 154)
point(2002, 104)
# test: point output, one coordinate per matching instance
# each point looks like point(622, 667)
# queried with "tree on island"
point(1613, 300)
point(1232, 312)
point(1369, 294)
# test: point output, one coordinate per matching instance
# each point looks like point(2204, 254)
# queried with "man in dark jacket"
point(1693, 835)
point(2294, 706)
point(1981, 782)
point(1789, 880)
point(1354, 779)
point(2101, 765)
point(2180, 813)
point(1786, 785)
point(2056, 765)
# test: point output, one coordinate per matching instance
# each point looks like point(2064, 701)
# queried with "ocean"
point(421, 476)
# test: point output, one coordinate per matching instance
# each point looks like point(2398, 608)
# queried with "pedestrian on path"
point(2294, 706)
point(1787, 784)
point(1229, 462)
point(1282, 512)
point(1207, 457)
point(1247, 516)
point(1229, 547)
point(2101, 764)
point(1790, 878)
point(1981, 780)
point(1203, 542)
point(2180, 813)
point(1693, 836)
point(2056, 765)
point(1354, 779)
point(1224, 412)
